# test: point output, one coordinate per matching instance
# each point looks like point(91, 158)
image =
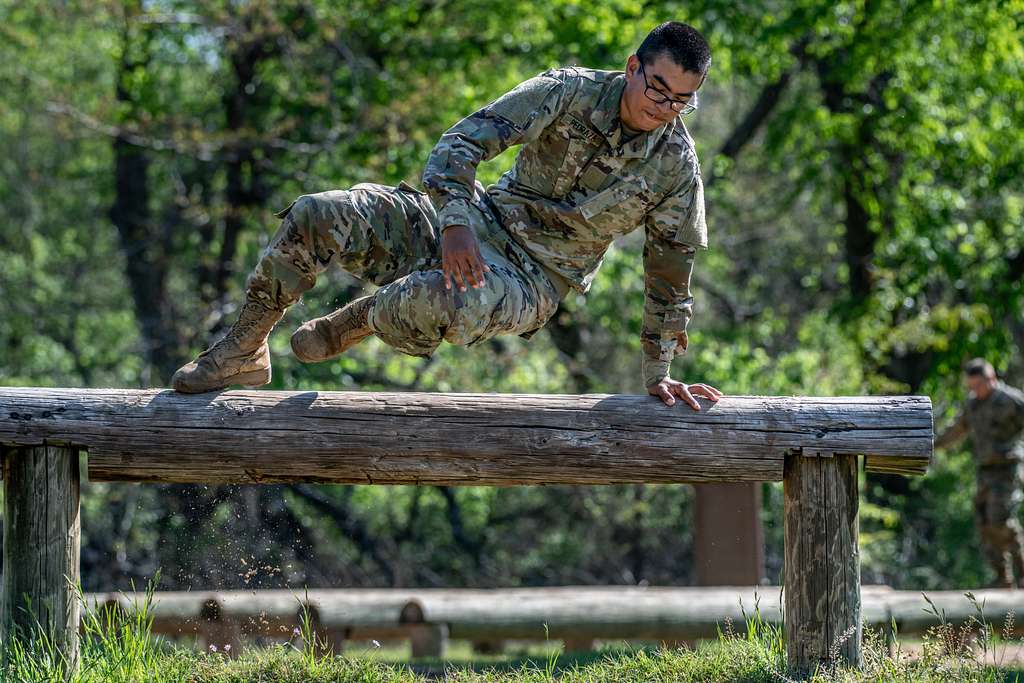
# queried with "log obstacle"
point(575, 614)
point(457, 439)
point(222, 618)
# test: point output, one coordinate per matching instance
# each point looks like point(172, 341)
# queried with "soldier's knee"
point(442, 313)
point(418, 303)
point(461, 317)
point(427, 293)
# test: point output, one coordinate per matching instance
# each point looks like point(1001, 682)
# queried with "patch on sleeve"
point(693, 229)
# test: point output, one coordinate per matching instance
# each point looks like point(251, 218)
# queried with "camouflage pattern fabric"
point(995, 424)
point(388, 236)
point(996, 505)
point(996, 428)
point(577, 184)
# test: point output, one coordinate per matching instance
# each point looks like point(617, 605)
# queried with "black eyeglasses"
point(681, 107)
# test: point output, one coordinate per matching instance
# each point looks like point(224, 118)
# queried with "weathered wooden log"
point(490, 616)
point(1002, 609)
point(453, 439)
point(822, 562)
point(578, 614)
point(41, 547)
point(591, 612)
point(225, 617)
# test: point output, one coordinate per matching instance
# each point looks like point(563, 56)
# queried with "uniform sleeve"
point(675, 229)
point(953, 432)
point(1018, 403)
point(516, 117)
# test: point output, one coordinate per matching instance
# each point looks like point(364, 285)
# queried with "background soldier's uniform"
point(577, 184)
point(996, 427)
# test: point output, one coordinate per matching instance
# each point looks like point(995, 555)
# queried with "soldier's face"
point(668, 79)
point(980, 386)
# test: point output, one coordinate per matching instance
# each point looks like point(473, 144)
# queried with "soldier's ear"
point(632, 64)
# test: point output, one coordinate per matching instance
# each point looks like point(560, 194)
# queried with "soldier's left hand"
point(461, 259)
point(668, 389)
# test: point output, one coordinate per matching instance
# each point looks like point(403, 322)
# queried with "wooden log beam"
point(728, 537)
point(494, 615)
point(41, 548)
point(591, 612)
point(457, 439)
point(271, 612)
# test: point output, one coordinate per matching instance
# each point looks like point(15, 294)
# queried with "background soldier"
point(994, 417)
point(602, 153)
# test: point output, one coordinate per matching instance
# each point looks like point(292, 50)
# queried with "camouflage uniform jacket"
point(996, 426)
point(576, 185)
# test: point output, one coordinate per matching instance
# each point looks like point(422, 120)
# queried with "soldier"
point(994, 417)
point(602, 153)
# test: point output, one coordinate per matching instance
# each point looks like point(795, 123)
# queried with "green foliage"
point(902, 113)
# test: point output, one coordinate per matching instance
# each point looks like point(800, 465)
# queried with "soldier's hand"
point(461, 259)
point(668, 389)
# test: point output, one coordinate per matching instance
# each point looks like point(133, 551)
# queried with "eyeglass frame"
point(685, 108)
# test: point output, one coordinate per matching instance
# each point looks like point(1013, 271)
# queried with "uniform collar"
point(605, 118)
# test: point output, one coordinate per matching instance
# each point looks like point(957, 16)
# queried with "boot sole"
point(250, 380)
point(254, 379)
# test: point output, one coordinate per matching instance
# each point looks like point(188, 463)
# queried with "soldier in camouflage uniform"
point(994, 417)
point(602, 154)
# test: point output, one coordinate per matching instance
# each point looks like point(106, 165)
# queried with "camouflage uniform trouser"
point(389, 236)
point(996, 504)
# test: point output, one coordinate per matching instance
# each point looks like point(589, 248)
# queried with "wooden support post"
point(326, 641)
point(41, 547)
point(822, 562)
point(488, 647)
point(219, 630)
point(428, 640)
point(728, 538)
point(578, 644)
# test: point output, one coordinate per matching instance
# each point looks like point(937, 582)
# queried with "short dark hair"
point(682, 43)
point(979, 367)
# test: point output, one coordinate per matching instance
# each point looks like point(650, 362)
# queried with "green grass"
point(119, 648)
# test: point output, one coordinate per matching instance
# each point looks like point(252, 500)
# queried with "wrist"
point(653, 388)
point(654, 370)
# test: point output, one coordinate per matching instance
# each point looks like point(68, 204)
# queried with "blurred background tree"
point(863, 164)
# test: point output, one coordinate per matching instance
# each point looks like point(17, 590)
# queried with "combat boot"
point(241, 357)
point(331, 335)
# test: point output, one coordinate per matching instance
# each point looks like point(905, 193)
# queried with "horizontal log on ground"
point(569, 612)
point(455, 439)
point(1002, 609)
point(270, 612)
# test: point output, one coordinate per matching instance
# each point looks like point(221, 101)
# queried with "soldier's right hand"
point(461, 259)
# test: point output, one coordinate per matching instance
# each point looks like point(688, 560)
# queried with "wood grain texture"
point(41, 546)
point(457, 439)
point(822, 563)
